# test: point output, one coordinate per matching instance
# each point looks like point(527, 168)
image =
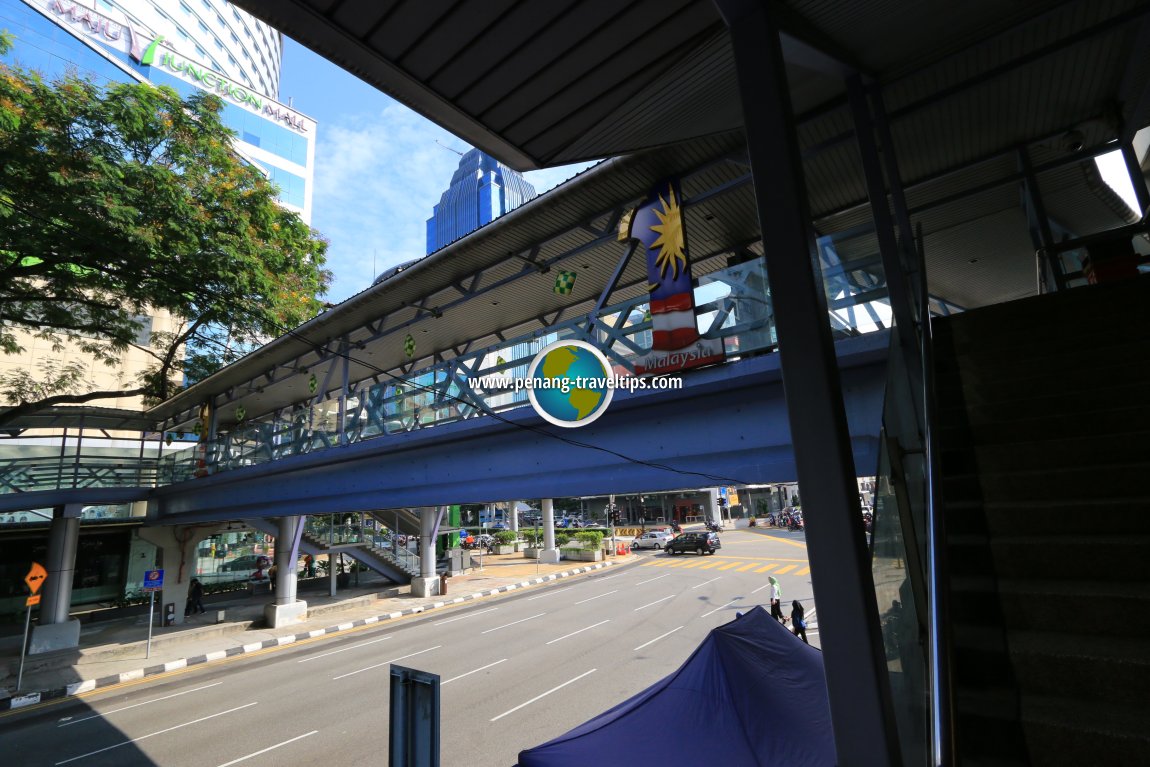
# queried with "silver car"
point(655, 539)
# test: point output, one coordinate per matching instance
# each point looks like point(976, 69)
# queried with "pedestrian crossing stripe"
point(738, 565)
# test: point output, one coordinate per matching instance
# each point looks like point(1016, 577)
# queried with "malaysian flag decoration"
point(675, 340)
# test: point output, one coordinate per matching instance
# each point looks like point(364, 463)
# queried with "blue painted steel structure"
point(481, 190)
point(675, 439)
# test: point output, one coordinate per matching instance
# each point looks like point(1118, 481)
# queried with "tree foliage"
point(118, 201)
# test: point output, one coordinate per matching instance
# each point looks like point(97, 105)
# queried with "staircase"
point(1044, 430)
point(383, 561)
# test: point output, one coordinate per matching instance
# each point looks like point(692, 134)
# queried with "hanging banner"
point(675, 341)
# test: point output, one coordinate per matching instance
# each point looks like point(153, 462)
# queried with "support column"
point(427, 584)
point(853, 657)
point(514, 512)
point(55, 629)
point(549, 552)
point(332, 559)
point(286, 609)
point(177, 554)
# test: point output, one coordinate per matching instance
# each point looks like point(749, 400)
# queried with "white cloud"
point(376, 183)
point(549, 178)
point(377, 180)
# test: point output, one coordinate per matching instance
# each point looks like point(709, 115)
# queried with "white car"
point(656, 539)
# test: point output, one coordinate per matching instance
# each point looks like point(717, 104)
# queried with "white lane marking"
point(461, 617)
point(580, 631)
point(269, 748)
point(158, 732)
point(656, 639)
point(760, 588)
point(609, 593)
point(607, 577)
point(135, 705)
point(548, 594)
point(544, 695)
point(664, 575)
point(473, 671)
point(704, 583)
point(344, 649)
point(657, 601)
point(512, 623)
point(393, 660)
point(728, 604)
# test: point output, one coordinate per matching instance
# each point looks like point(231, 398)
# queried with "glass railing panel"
point(899, 550)
point(854, 282)
point(732, 304)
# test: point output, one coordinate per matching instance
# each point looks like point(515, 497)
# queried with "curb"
point(88, 685)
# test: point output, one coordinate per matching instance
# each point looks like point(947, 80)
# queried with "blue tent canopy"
point(752, 694)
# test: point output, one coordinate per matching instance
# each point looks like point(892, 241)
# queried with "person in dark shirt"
point(798, 621)
point(195, 602)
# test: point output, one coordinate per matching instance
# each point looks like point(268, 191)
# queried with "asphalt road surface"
point(515, 671)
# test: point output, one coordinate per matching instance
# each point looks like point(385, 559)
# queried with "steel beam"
point(853, 656)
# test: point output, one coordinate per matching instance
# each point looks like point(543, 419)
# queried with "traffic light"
point(615, 514)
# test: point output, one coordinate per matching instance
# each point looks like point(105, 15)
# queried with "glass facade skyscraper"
point(188, 45)
point(481, 190)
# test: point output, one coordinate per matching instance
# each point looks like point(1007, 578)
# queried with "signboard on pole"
point(154, 580)
point(35, 577)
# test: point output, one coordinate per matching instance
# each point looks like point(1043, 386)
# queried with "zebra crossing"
point(719, 564)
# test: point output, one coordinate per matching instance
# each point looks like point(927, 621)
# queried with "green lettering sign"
point(150, 52)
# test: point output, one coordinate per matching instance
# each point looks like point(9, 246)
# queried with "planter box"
point(504, 548)
point(583, 555)
point(531, 552)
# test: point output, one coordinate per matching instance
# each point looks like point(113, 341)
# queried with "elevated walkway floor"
point(113, 651)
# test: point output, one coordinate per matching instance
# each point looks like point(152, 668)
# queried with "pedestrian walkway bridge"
point(378, 402)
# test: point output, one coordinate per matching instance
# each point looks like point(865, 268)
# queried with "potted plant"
point(589, 547)
point(505, 541)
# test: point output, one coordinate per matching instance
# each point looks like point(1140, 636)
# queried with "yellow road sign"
point(35, 577)
point(32, 600)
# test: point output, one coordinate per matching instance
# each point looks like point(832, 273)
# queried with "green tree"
point(118, 201)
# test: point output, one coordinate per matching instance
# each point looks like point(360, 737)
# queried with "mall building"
point(189, 45)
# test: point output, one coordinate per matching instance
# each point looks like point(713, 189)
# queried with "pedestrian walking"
point(195, 603)
point(777, 600)
point(798, 620)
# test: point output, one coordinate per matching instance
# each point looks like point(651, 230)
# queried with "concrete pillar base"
point(54, 636)
point(285, 615)
point(425, 587)
point(549, 556)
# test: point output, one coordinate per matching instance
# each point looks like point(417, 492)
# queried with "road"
point(516, 671)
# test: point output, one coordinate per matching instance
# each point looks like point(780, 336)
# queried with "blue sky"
point(379, 170)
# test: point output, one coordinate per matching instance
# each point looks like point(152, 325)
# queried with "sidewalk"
point(113, 651)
